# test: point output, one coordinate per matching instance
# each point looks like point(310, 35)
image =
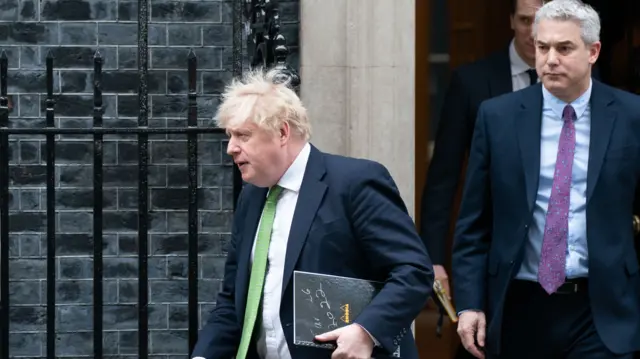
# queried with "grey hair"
point(571, 10)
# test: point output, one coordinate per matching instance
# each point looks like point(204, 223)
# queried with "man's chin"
point(554, 81)
point(251, 178)
point(531, 55)
point(247, 176)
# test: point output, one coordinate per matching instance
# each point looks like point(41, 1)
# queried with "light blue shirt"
point(577, 255)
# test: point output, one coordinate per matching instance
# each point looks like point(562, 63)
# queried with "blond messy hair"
point(259, 97)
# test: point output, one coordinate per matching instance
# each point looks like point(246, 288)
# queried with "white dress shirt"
point(271, 341)
point(519, 76)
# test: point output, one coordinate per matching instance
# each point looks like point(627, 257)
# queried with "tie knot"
point(568, 114)
point(274, 193)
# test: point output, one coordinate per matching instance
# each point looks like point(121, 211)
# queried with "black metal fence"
point(98, 131)
point(266, 47)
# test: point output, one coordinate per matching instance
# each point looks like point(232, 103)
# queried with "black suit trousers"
point(557, 326)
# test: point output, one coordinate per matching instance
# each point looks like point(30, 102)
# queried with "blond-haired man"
point(333, 215)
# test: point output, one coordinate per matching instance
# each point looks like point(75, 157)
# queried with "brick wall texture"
point(72, 30)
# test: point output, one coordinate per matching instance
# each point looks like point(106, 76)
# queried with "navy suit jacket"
point(349, 221)
point(470, 85)
point(499, 197)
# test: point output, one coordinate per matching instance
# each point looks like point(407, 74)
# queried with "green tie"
point(258, 270)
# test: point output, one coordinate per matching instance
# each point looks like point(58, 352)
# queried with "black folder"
point(324, 302)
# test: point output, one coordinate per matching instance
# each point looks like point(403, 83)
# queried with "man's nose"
point(552, 57)
point(232, 147)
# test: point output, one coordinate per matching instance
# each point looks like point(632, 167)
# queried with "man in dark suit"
point(510, 69)
point(306, 210)
point(507, 70)
point(544, 262)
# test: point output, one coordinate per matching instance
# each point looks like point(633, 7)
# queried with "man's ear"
point(284, 133)
point(594, 52)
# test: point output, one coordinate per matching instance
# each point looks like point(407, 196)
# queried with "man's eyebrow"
point(560, 43)
point(564, 43)
point(238, 131)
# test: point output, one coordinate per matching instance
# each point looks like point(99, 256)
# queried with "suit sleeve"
point(473, 228)
point(220, 337)
point(636, 204)
point(636, 212)
point(451, 145)
point(392, 245)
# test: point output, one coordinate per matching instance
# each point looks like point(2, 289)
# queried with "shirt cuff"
point(460, 312)
point(197, 358)
point(375, 341)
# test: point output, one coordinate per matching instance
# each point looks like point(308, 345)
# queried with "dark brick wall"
point(72, 30)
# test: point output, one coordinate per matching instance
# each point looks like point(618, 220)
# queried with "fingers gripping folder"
point(323, 303)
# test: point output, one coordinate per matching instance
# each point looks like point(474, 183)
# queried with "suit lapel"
point(528, 125)
point(256, 198)
point(603, 118)
point(310, 197)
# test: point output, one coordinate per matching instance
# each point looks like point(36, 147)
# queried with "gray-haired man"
point(544, 259)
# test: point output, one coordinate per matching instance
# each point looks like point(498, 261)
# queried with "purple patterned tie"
point(551, 272)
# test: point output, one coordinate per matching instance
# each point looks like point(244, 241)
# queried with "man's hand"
point(353, 342)
point(471, 328)
point(441, 275)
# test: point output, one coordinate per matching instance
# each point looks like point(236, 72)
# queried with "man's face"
point(563, 60)
point(521, 22)
point(258, 152)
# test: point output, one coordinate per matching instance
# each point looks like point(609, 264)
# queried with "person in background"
point(510, 69)
point(303, 209)
point(544, 257)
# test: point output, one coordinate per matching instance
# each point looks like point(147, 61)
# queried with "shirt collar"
point(292, 178)
point(518, 65)
point(557, 105)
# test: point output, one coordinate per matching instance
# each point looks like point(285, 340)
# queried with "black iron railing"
point(268, 48)
point(98, 131)
point(4, 212)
